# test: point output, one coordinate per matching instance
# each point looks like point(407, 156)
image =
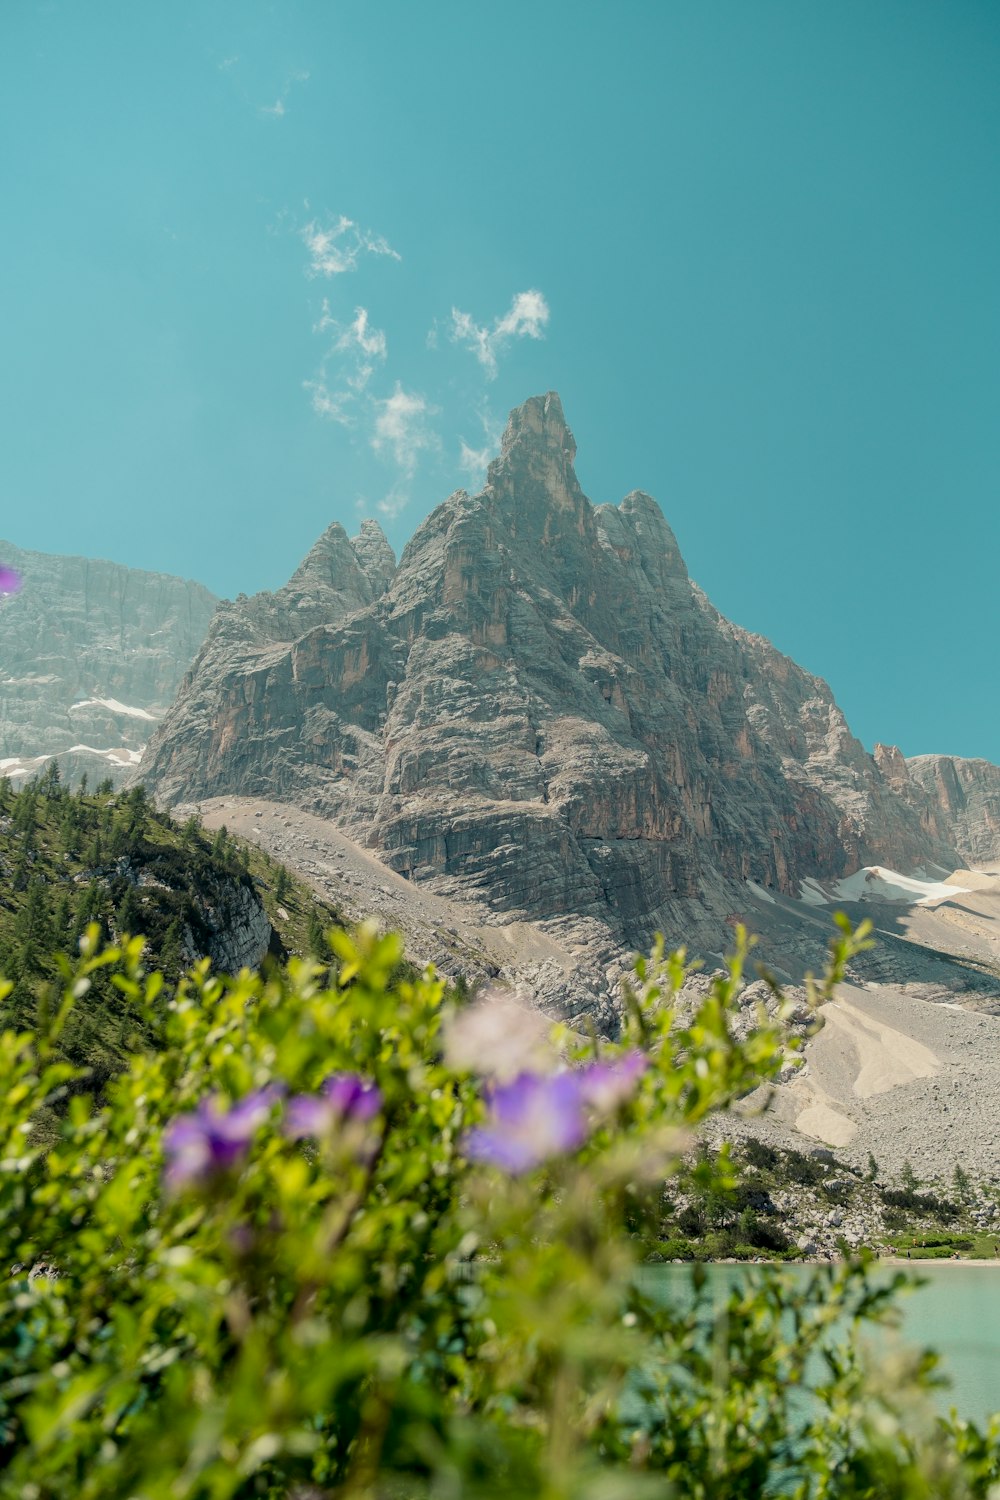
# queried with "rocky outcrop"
point(956, 800)
point(233, 929)
point(537, 708)
point(91, 654)
point(220, 914)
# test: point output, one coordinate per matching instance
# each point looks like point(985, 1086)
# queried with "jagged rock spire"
point(377, 559)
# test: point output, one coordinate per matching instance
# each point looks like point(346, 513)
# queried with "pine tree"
point(51, 780)
point(62, 921)
point(136, 812)
point(172, 950)
point(118, 838)
point(26, 811)
point(281, 884)
point(22, 870)
point(91, 906)
point(129, 914)
point(33, 923)
point(69, 828)
point(315, 936)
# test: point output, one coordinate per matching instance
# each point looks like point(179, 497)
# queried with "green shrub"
point(301, 1250)
point(758, 1154)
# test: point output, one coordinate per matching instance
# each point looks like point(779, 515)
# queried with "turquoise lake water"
point(957, 1313)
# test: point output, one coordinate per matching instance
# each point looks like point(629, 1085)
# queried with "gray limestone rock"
point(956, 799)
point(537, 708)
point(91, 654)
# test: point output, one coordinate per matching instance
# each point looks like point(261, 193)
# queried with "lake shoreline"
point(838, 1260)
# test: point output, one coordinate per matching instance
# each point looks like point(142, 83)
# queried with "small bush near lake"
point(923, 1203)
point(330, 1234)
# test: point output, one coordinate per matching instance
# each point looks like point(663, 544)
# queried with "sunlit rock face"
point(537, 707)
point(91, 654)
point(956, 799)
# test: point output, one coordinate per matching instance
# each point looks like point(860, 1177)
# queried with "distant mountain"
point(91, 654)
point(540, 710)
point(955, 798)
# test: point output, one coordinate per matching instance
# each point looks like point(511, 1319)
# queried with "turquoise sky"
point(269, 265)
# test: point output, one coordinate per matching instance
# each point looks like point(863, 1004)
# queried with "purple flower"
point(10, 580)
point(532, 1119)
point(344, 1097)
point(212, 1139)
point(606, 1085)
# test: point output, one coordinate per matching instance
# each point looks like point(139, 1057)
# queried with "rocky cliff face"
point(91, 654)
point(538, 708)
point(955, 799)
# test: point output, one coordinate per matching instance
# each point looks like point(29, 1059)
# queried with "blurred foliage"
point(384, 1317)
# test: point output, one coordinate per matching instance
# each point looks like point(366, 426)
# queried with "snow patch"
point(17, 763)
point(875, 882)
point(812, 892)
point(113, 706)
point(120, 755)
point(24, 765)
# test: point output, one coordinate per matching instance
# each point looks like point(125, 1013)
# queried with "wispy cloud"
point(277, 110)
point(333, 404)
point(229, 62)
point(475, 461)
point(338, 244)
point(526, 317)
point(394, 502)
point(402, 429)
point(357, 348)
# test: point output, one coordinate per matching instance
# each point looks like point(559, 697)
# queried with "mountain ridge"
point(537, 709)
point(91, 655)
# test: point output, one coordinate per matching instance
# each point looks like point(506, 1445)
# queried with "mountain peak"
point(537, 423)
point(533, 481)
point(329, 562)
point(377, 559)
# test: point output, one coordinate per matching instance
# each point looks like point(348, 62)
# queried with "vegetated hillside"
point(780, 1203)
point(70, 858)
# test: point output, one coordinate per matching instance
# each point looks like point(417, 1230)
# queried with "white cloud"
point(229, 62)
point(361, 335)
point(474, 460)
point(393, 503)
point(401, 428)
point(338, 245)
point(328, 403)
point(357, 349)
point(277, 109)
point(527, 317)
